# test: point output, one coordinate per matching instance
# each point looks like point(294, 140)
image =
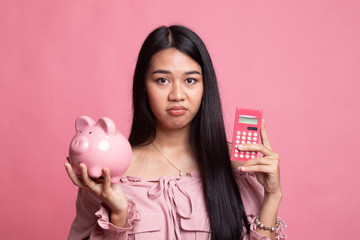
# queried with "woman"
point(181, 183)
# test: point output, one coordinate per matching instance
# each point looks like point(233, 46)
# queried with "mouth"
point(177, 110)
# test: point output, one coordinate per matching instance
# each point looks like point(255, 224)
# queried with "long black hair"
point(223, 200)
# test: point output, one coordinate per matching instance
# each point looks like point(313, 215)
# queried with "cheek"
point(198, 96)
point(155, 102)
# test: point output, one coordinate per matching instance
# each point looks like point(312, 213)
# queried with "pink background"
point(297, 60)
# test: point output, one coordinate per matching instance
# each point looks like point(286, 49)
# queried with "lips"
point(177, 110)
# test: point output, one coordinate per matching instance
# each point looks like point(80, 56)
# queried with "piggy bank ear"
point(107, 125)
point(83, 121)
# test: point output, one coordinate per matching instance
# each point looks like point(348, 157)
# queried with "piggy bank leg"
point(95, 172)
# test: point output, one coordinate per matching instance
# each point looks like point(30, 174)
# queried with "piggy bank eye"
point(80, 131)
point(90, 132)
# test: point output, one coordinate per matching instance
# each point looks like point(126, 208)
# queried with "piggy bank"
point(99, 145)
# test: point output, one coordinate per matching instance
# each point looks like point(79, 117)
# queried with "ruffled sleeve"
point(106, 230)
point(252, 194)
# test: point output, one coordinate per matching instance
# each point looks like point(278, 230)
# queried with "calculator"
point(246, 130)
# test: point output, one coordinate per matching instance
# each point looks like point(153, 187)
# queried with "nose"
point(79, 145)
point(177, 92)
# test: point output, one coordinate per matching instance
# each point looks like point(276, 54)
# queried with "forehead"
point(173, 60)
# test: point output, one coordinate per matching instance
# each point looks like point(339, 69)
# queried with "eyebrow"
point(168, 72)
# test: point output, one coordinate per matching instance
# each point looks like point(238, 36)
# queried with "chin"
point(177, 125)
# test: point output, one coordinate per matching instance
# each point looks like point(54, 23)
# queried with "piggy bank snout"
point(79, 145)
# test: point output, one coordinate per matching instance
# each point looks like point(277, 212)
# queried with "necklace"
point(180, 171)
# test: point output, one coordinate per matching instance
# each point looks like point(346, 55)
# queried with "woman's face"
point(174, 86)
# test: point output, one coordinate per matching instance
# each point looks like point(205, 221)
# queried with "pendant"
point(181, 173)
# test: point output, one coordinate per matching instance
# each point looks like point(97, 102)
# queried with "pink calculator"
point(246, 130)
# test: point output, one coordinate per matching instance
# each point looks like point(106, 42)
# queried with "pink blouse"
point(164, 208)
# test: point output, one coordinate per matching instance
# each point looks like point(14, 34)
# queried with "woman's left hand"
point(266, 168)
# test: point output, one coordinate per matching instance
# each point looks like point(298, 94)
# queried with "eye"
point(90, 132)
point(190, 80)
point(162, 80)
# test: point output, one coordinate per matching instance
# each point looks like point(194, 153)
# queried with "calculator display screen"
point(248, 120)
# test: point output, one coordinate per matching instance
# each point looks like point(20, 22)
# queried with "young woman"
point(181, 183)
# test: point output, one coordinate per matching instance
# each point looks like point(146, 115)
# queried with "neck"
point(176, 139)
point(172, 148)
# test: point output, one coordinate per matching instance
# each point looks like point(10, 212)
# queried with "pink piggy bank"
point(99, 145)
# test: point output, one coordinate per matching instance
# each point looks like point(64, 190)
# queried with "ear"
point(83, 121)
point(107, 125)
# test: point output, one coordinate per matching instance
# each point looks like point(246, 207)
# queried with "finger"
point(72, 175)
point(85, 177)
point(68, 159)
point(256, 148)
point(258, 161)
point(107, 179)
point(264, 137)
point(269, 169)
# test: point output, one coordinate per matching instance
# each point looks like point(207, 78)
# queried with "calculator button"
point(250, 134)
point(254, 139)
point(249, 138)
point(252, 152)
point(242, 151)
point(247, 152)
point(235, 155)
point(252, 157)
point(255, 134)
point(247, 156)
point(242, 142)
point(243, 137)
point(237, 137)
point(236, 150)
point(241, 155)
point(238, 132)
point(254, 142)
point(237, 141)
point(243, 133)
point(248, 142)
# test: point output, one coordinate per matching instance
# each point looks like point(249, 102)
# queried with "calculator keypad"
point(245, 137)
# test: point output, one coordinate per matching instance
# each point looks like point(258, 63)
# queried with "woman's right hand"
point(110, 194)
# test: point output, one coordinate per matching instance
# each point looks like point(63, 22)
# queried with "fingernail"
point(242, 168)
point(241, 146)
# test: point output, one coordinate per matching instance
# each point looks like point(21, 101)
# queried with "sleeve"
point(252, 194)
point(93, 223)
point(106, 230)
point(85, 219)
